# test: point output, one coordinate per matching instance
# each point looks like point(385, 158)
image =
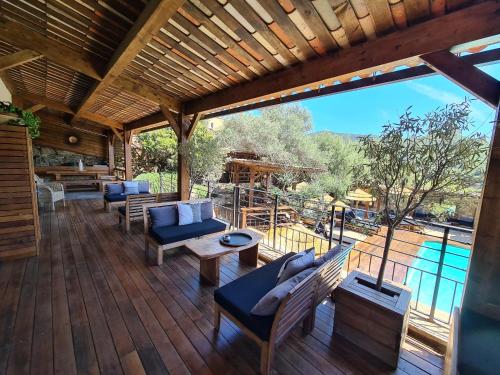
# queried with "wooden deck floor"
point(89, 304)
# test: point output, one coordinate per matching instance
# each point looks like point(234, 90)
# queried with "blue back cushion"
point(143, 187)
point(114, 188)
point(207, 211)
point(185, 213)
point(163, 216)
point(130, 187)
point(196, 207)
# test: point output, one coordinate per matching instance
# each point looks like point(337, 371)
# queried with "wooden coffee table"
point(209, 250)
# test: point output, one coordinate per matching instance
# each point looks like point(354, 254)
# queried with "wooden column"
point(127, 155)
point(183, 177)
point(252, 186)
point(111, 152)
point(481, 289)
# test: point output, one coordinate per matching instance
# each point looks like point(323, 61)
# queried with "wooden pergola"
point(118, 68)
point(115, 68)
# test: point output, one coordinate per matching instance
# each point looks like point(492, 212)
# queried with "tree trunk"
point(387, 246)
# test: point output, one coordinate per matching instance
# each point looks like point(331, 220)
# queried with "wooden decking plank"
point(8, 312)
point(107, 356)
point(161, 341)
point(42, 355)
point(147, 319)
point(20, 352)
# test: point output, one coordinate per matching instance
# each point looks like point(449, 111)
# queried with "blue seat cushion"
point(122, 210)
point(174, 233)
point(114, 188)
point(115, 197)
point(240, 296)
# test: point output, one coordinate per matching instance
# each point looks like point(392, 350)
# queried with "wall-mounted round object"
point(72, 139)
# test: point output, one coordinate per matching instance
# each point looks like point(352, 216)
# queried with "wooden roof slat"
point(192, 12)
point(262, 28)
point(269, 61)
point(356, 20)
point(149, 22)
point(22, 37)
point(417, 10)
point(18, 58)
point(471, 23)
point(194, 32)
point(281, 19)
point(382, 16)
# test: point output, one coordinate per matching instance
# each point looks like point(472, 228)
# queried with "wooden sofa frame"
point(133, 209)
point(151, 241)
point(134, 203)
point(298, 306)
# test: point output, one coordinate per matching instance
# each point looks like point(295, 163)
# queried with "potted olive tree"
point(411, 161)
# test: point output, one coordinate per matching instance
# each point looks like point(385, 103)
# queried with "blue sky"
point(365, 111)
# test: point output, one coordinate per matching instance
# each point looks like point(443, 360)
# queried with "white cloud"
point(478, 114)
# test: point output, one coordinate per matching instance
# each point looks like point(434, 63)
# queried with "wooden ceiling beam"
point(174, 124)
point(42, 46)
point(462, 26)
point(52, 104)
point(18, 58)
point(192, 125)
point(24, 37)
point(155, 120)
point(472, 79)
point(154, 16)
point(146, 92)
point(8, 82)
point(61, 107)
point(481, 58)
point(35, 108)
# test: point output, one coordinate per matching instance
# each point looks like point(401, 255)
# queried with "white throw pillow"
point(185, 213)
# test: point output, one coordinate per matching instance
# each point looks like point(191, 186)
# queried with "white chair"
point(55, 191)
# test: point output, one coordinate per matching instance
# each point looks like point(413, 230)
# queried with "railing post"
point(332, 223)
point(235, 193)
point(161, 182)
point(275, 220)
point(439, 271)
point(208, 189)
point(342, 222)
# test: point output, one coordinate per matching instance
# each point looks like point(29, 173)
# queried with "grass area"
point(167, 182)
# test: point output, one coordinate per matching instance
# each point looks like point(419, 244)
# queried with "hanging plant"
point(24, 118)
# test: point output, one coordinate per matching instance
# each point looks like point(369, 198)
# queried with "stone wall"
point(48, 157)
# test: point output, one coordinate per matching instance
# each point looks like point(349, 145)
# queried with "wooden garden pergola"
point(113, 68)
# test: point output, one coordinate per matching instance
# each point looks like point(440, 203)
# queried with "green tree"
point(205, 154)
point(419, 157)
point(155, 151)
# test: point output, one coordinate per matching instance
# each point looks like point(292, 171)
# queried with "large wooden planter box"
point(19, 224)
point(375, 321)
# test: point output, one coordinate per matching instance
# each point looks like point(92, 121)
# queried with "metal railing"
point(423, 261)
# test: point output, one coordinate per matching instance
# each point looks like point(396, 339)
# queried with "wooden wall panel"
point(19, 222)
point(55, 135)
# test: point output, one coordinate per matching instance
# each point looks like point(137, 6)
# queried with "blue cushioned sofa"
point(236, 299)
point(164, 237)
point(114, 194)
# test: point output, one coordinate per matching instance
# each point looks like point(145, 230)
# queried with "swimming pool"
point(456, 261)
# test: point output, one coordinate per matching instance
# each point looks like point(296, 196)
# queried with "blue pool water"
point(456, 261)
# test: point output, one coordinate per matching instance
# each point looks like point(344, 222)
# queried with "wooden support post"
point(111, 152)
point(481, 288)
point(127, 155)
point(183, 178)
